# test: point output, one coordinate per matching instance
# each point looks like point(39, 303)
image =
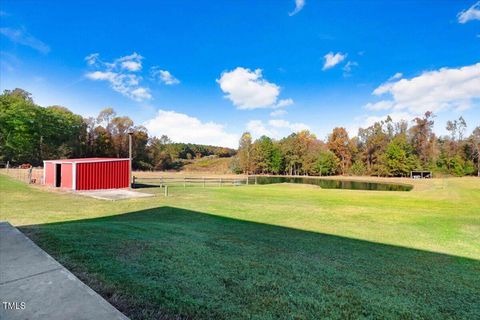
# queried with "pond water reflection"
point(337, 184)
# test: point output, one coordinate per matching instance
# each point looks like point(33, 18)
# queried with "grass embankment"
point(209, 165)
point(274, 251)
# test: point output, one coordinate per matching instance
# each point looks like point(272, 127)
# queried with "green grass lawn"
point(267, 252)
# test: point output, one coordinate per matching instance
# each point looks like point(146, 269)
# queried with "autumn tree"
point(245, 153)
point(422, 138)
point(474, 141)
point(339, 143)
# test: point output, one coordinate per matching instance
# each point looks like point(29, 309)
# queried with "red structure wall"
point(49, 174)
point(88, 173)
point(67, 175)
point(103, 175)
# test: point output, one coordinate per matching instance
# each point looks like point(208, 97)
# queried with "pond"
point(337, 184)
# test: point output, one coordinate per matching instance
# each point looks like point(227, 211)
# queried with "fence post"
point(204, 182)
point(255, 179)
point(133, 183)
point(247, 179)
point(220, 182)
point(184, 183)
point(166, 191)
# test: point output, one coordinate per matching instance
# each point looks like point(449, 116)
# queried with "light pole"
point(130, 134)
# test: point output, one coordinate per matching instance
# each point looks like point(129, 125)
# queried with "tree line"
point(30, 134)
point(386, 148)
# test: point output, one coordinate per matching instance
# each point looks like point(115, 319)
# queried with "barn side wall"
point(102, 175)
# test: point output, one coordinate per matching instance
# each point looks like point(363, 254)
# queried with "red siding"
point(49, 178)
point(103, 175)
point(67, 175)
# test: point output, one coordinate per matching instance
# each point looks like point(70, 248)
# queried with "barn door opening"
point(58, 175)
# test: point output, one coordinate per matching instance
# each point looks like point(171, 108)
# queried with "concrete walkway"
point(114, 194)
point(33, 285)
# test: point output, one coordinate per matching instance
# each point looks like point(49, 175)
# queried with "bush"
point(358, 168)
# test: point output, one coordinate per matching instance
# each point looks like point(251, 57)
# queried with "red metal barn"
point(87, 173)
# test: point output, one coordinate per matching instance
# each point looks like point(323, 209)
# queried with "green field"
point(267, 252)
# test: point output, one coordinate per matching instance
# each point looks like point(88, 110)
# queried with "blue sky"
point(205, 71)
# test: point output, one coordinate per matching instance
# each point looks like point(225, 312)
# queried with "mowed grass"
point(268, 252)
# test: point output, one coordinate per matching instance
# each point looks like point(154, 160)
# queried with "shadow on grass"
point(137, 185)
point(174, 263)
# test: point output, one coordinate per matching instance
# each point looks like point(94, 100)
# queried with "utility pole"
point(130, 134)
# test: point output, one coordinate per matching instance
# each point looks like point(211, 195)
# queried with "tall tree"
point(423, 138)
point(245, 153)
point(474, 140)
point(339, 143)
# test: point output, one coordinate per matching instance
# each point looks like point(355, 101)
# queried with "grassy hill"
point(208, 165)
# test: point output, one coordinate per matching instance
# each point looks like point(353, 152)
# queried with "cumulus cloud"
point(274, 128)
point(163, 76)
point(121, 74)
point(299, 4)
point(248, 90)
point(445, 88)
point(332, 59)
point(183, 128)
point(21, 36)
point(472, 13)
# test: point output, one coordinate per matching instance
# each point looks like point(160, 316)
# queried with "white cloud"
point(258, 129)
point(141, 94)
point(92, 59)
point(397, 75)
point(120, 74)
point(248, 90)
point(347, 68)
point(278, 113)
point(163, 75)
point(381, 105)
point(284, 103)
point(131, 62)
point(472, 13)
point(332, 59)
point(100, 75)
point(299, 4)
point(21, 36)
point(294, 127)
point(132, 65)
point(183, 128)
point(274, 128)
point(445, 88)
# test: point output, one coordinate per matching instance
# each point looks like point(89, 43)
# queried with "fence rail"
point(33, 176)
point(139, 182)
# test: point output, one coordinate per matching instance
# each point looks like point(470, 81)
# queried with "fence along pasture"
point(184, 182)
point(30, 175)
